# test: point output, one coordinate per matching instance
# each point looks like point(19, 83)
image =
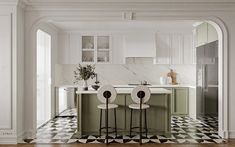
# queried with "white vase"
point(85, 87)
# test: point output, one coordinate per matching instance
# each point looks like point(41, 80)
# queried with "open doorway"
point(207, 74)
point(66, 62)
point(43, 77)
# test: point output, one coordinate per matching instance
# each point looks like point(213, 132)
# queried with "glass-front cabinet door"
point(88, 49)
point(103, 48)
point(96, 49)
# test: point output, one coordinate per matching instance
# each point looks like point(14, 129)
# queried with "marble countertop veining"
point(131, 86)
point(125, 90)
point(157, 86)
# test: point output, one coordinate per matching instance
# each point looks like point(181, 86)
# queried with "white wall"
point(13, 51)
point(20, 71)
point(5, 72)
point(231, 79)
point(187, 10)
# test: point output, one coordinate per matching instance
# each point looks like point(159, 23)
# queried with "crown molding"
point(9, 2)
point(20, 3)
point(126, 1)
point(129, 5)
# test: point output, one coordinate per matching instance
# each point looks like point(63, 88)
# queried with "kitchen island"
point(158, 115)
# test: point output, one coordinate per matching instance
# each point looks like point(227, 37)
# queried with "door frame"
point(222, 48)
point(49, 30)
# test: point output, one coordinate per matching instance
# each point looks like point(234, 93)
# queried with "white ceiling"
point(143, 1)
point(123, 25)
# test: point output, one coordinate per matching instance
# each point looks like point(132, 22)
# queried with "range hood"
point(140, 44)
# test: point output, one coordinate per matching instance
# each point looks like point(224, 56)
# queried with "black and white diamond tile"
point(183, 130)
point(69, 112)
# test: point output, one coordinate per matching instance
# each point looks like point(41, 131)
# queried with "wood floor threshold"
point(230, 143)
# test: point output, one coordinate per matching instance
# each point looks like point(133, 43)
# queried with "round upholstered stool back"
point(106, 92)
point(139, 92)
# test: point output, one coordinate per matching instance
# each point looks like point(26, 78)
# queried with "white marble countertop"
point(127, 91)
point(131, 86)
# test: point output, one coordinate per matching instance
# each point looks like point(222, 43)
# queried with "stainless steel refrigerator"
point(207, 79)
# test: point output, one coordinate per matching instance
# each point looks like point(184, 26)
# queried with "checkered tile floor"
point(183, 130)
point(69, 112)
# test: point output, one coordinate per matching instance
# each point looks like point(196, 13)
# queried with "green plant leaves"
point(84, 72)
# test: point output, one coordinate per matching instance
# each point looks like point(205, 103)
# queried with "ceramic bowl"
point(95, 87)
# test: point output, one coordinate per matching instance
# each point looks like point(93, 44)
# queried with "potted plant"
point(84, 73)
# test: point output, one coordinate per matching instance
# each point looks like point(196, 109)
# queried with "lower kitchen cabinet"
point(65, 99)
point(179, 101)
point(158, 115)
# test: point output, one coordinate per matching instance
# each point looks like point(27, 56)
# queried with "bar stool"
point(140, 95)
point(106, 95)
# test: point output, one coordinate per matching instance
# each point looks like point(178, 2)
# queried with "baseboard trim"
point(10, 140)
point(29, 134)
point(21, 136)
point(231, 134)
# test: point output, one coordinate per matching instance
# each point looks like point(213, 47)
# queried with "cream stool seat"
point(110, 106)
point(137, 106)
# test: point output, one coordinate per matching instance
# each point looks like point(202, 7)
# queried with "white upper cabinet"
point(212, 34)
point(174, 48)
point(189, 51)
point(88, 48)
point(96, 49)
point(118, 48)
point(163, 46)
point(78, 47)
point(139, 44)
point(68, 48)
point(202, 34)
point(205, 33)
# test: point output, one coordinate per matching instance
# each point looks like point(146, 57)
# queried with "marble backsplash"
point(118, 74)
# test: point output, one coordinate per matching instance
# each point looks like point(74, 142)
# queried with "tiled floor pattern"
point(212, 121)
point(184, 130)
point(69, 112)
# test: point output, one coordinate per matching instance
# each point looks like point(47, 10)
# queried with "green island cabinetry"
point(179, 101)
point(158, 115)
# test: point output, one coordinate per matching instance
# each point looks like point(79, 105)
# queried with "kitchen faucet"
point(144, 82)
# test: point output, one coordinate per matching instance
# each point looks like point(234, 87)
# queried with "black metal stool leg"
point(140, 125)
point(115, 121)
point(141, 102)
point(107, 130)
point(146, 129)
point(100, 122)
point(131, 123)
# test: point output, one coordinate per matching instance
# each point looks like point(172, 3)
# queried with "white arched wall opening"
point(33, 34)
point(223, 58)
point(223, 77)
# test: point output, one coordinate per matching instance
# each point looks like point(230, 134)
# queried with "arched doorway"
point(222, 76)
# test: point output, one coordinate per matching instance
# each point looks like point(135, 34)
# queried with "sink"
point(135, 84)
